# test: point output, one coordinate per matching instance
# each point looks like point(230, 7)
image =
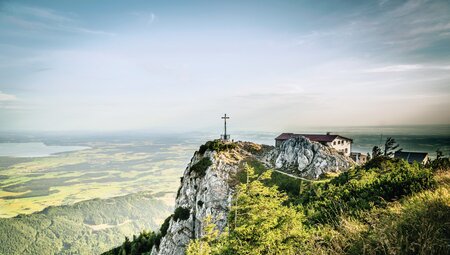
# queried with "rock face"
point(204, 195)
point(209, 192)
point(304, 158)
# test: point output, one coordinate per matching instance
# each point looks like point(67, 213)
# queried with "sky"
point(179, 65)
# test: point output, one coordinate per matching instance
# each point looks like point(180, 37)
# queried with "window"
point(334, 143)
point(346, 150)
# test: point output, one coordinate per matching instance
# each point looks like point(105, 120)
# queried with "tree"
point(439, 154)
point(259, 223)
point(202, 245)
point(126, 246)
point(391, 147)
point(264, 225)
point(376, 152)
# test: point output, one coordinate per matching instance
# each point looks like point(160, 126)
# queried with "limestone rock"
point(209, 193)
point(203, 196)
point(304, 158)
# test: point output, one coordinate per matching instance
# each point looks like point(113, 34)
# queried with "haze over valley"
point(133, 127)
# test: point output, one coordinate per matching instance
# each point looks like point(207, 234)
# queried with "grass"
point(414, 221)
point(415, 224)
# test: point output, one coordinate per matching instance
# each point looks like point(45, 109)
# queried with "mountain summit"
point(208, 183)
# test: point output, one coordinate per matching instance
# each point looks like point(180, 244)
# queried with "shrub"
point(440, 164)
point(162, 231)
point(201, 166)
point(139, 245)
point(216, 145)
point(181, 213)
point(360, 189)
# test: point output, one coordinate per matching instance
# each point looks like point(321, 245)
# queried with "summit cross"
point(225, 136)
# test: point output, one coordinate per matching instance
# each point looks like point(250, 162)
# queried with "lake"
point(35, 149)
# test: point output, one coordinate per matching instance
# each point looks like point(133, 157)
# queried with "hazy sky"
point(179, 65)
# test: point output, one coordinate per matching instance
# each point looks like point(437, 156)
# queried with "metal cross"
point(225, 136)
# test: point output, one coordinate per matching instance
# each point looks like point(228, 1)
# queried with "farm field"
point(107, 169)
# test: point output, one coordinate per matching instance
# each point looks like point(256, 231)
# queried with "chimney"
point(328, 133)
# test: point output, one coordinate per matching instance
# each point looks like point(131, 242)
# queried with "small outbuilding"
point(419, 157)
point(359, 157)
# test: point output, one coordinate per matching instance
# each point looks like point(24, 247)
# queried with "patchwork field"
point(106, 170)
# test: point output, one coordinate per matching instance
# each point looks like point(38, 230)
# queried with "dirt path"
point(293, 176)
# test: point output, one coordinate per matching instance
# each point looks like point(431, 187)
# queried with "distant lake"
point(35, 149)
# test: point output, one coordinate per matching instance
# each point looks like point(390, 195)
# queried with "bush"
point(359, 189)
point(440, 164)
point(201, 166)
point(139, 245)
point(162, 230)
point(418, 224)
point(216, 145)
point(181, 213)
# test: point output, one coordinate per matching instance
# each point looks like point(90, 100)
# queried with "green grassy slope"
point(385, 207)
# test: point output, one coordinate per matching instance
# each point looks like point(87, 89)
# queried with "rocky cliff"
point(208, 182)
point(304, 158)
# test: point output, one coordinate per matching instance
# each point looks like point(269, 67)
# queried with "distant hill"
point(87, 227)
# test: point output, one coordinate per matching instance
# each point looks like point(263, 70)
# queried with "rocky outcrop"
point(203, 194)
point(207, 183)
point(304, 158)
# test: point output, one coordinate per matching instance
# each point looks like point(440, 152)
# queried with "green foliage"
point(163, 230)
point(422, 226)
point(440, 163)
point(139, 245)
point(143, 243)
point(259, 223)
point(202, 246)
point(388, 208)
point(376, 152)
point(181, 213)
point(360, 189)
point(201, 166)
point(391, 147)
point(165, 226)
point(216, 145)
point(284, 183)
point(88, 227)
point(419, 224)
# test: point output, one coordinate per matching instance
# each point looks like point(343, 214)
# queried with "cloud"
point(405, 68)
point(44, 19)
point(151, 18)
point(7, 97)
point(147, 17)
point(37, 12)
point(389, 28)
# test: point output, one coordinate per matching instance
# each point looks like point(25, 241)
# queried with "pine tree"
point(391, 147)
point(376, 152)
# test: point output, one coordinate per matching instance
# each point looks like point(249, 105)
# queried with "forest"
point(87, 227)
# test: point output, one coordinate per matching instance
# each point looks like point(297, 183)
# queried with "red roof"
point(315, 138)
